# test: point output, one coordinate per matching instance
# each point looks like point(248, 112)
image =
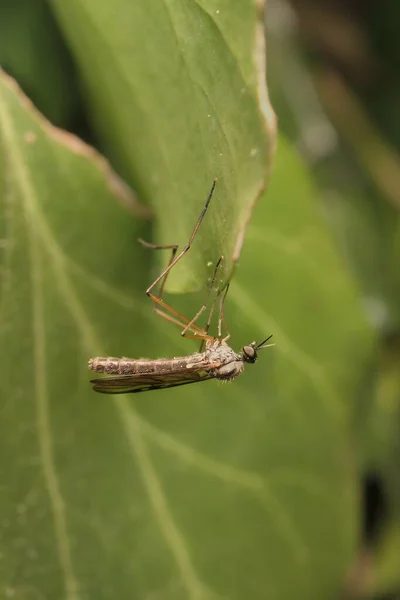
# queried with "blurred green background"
point(115, 117)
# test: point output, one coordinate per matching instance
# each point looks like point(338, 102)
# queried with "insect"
point(215, 359)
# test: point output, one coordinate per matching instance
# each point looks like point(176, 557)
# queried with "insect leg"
point(212, 308)
point(196, 331)
point(210, 289)
point(221, 320)
point(207, 327)
point(156, 298)
point(176, 259)
point(174, 248)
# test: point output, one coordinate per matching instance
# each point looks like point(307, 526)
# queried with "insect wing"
point(144, 382)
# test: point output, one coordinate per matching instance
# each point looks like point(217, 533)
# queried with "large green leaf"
point(177, 92)
point(212, 491)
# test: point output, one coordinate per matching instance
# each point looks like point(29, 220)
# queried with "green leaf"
point(177, 92)
point(210, 491)
point(32, 51)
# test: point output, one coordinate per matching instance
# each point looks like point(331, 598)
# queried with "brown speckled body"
point(218, 360)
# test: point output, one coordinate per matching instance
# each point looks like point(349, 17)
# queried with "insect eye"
point(249, 354)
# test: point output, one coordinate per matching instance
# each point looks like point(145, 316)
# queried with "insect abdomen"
point(130, 366)
point(110, 365)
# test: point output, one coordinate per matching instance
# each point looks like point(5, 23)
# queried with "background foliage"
point(285, 483)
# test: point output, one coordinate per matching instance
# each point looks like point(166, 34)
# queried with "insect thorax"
point(230, 364)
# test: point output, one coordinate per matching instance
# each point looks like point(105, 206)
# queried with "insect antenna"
point(263, 344)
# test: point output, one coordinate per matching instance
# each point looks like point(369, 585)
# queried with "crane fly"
point(215, 359)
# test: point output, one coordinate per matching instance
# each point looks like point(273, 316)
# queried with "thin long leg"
point(172, 262)
point(221, 319)
point(186, 248)
point(173, 247)
point(175, 316)
point(196, 334)
point(210, 289)
point(207, 327)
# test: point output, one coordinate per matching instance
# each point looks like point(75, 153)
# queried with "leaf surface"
point(203, 492)
point(177, 93)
